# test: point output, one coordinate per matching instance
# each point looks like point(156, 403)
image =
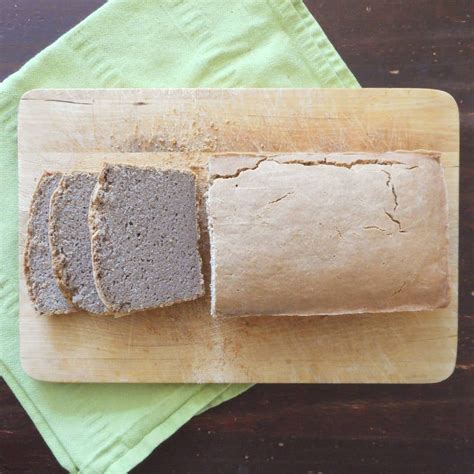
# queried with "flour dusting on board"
point(194, 136)
point(212, 370)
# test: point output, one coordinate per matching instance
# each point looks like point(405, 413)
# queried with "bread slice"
point(145, 238)
point(305, 234)
point(43, 289)
point(70, 241)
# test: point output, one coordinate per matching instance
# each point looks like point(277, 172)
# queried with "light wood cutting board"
point(80, 129)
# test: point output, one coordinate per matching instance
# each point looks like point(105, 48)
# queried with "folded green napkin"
point(144, 43)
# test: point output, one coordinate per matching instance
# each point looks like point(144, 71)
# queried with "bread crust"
point(324, 234)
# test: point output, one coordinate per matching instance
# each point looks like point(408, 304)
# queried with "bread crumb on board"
point(195, 136)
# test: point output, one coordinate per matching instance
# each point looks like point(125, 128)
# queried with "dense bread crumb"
point(43, 289)
point(70, 240)
point(145, 238)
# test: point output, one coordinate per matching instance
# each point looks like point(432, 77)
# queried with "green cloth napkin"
point(144, 43)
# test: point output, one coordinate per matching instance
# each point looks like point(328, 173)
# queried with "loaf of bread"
point(145, 238)
point(309, 234)
point(70, 241)
point(42, 286)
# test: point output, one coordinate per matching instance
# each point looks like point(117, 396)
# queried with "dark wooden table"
point(314, 428)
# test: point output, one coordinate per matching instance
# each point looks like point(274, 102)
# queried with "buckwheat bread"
point(308, 234)
point(42, 287)
point(145, 238)
point(70, 241)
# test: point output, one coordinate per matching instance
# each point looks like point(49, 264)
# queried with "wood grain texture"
point(394, 429)
point(80, 129)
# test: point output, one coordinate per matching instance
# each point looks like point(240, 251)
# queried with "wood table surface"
point(314, 428)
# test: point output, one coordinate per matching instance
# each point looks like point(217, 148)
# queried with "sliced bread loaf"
point(44, 291)
point(145, 238)
point(342, 233)
point(70, 241)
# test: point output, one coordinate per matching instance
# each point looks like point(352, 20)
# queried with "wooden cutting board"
point(80, 129)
